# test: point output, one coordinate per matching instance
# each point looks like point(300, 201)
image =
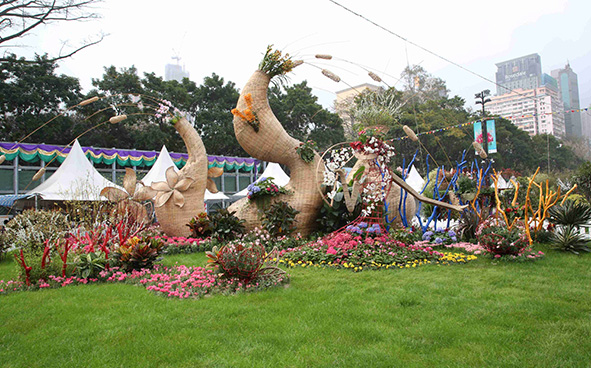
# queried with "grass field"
point(476, 315)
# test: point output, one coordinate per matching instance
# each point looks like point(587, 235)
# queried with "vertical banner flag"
point(492, 136)
point(491, 132)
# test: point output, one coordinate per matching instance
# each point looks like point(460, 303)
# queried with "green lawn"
point(475, 315)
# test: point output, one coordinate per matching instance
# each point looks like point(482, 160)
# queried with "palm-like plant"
point(569, 216)
point(568, 239)
point(570, 213)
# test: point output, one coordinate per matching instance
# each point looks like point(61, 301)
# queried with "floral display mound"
point(129, 251)
point(361, 247)
point(175, 282)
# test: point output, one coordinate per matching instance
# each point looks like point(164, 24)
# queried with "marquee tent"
point(75, 179)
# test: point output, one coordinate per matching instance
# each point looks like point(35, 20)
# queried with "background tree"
point(420, 86)
point(211, 109)
point(18, 18)
point(30, 95)
point(303, 118)
point(141, 130)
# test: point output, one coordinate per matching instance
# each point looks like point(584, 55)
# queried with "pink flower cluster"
point(467, 247)
point(180, 240)
point(176, 282)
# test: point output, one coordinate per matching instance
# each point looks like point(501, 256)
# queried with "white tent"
point(158, 170)
point(502, 183)
point(75, 179)
point(158, 173)
point(415, 180)
point(273, 170)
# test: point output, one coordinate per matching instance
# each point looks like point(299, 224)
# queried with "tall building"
point(524, 72)
point(568, 86)
point(533, 110)
point(175, 72)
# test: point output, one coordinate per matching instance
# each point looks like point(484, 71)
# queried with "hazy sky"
point(229, 37)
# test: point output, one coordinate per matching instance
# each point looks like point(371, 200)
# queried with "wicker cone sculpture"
point(272, 143)
point(183, 194)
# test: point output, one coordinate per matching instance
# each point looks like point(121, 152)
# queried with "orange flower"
point(248, 99)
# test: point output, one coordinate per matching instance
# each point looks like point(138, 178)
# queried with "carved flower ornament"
point(173, 187)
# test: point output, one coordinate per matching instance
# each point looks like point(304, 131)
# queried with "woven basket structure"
point(173, 219)
point(273, 144)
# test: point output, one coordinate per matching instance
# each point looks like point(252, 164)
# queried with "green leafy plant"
point(226, 226)
point(279, 219)
point(200, 226)
point(307, 151)
point(335, 216)
point(89, 264)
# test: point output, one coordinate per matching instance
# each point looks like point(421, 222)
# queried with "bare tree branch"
point(20, 17)
point(59, 57)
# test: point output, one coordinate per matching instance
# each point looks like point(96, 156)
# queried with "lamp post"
point(482, 99)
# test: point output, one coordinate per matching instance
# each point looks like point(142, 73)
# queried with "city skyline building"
point(568, 86)
point(175, 72)
point(533, 110)
point(520, 73)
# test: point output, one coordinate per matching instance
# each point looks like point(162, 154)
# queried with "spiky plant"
point(568, 239)
point(570, 214)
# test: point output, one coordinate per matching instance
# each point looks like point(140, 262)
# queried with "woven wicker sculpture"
point(262, 136)
point(180, 198)
point(372, 179)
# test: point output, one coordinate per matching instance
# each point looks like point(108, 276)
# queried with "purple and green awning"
point(46, 152)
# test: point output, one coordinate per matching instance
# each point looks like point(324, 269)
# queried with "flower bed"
point(351, 250)
point(174, 282)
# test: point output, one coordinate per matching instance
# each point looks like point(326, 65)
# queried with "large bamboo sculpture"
point(272, 143)
point(181, 197)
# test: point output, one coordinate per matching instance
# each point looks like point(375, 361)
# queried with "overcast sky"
point(229, 37)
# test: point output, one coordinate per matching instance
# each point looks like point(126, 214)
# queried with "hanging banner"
point(492, 136)
point(491, 132)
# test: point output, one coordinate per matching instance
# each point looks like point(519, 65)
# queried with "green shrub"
point(226, 226)
point(335, 216)
point(89, 264)
point(279, 219)
point(245, 261)
point(583, 180)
